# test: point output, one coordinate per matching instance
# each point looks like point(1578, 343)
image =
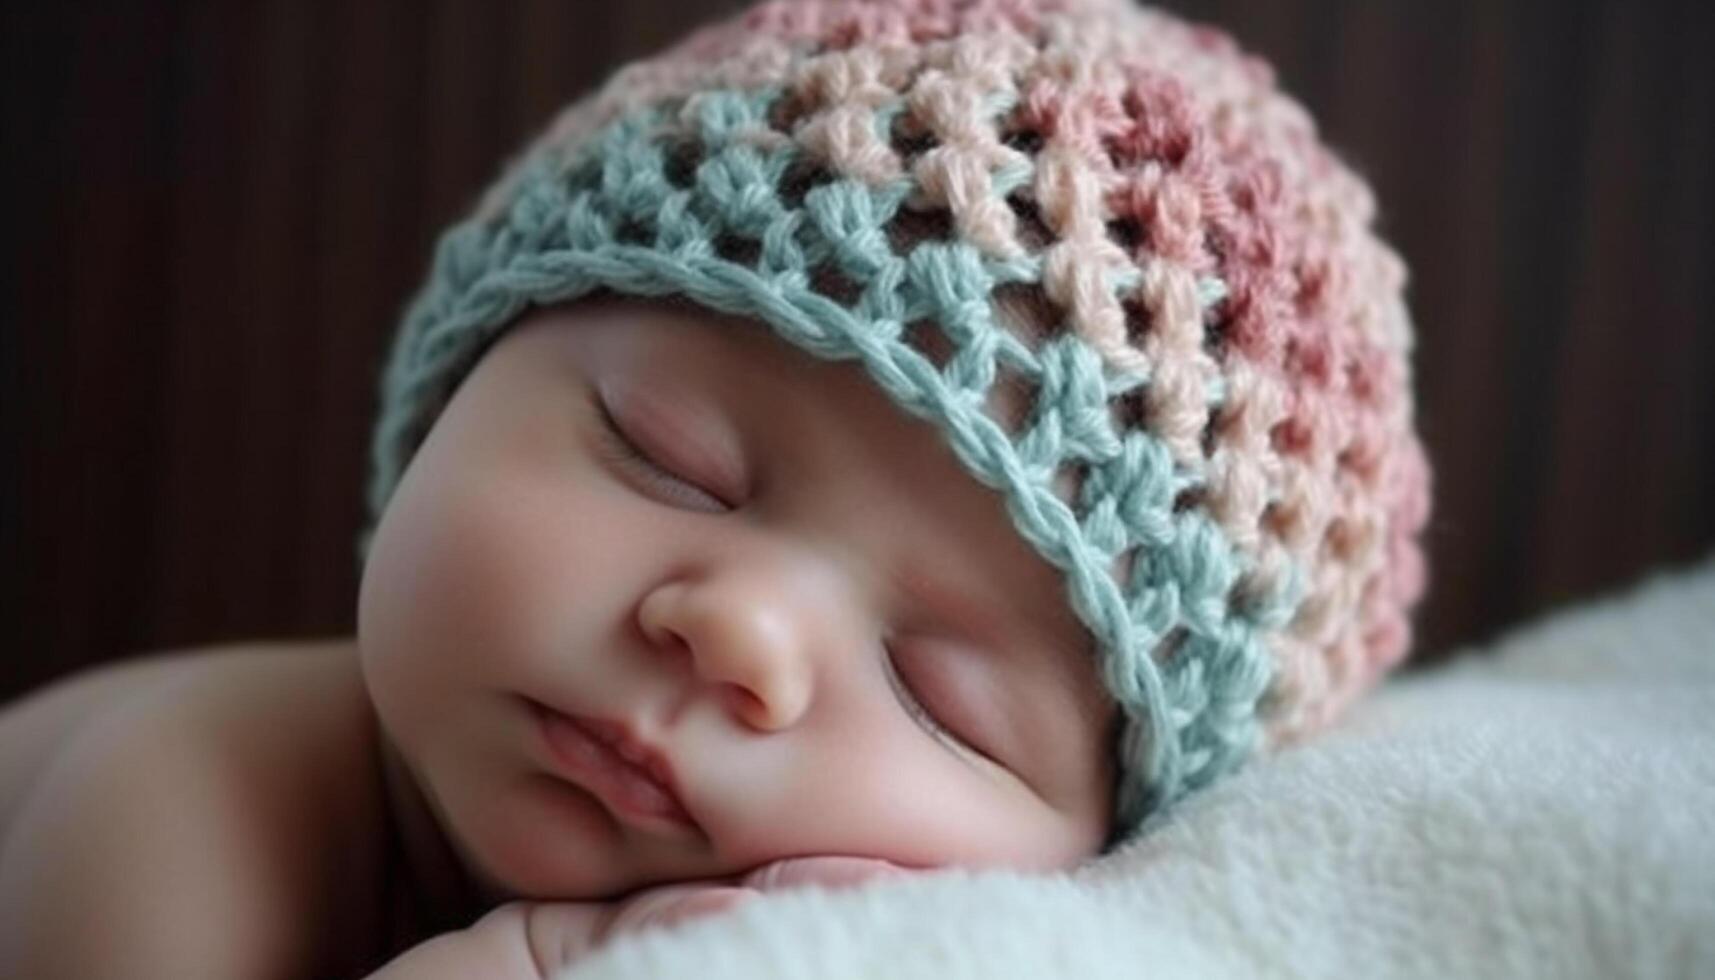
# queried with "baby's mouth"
point(632, 779)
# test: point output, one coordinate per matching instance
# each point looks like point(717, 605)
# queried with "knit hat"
point(1099, 205)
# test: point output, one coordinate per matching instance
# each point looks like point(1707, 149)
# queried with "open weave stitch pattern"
point(1098, 205)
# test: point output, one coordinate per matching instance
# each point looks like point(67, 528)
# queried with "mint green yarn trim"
point(1194, 713)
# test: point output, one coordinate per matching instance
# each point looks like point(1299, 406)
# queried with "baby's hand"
point(561, 933)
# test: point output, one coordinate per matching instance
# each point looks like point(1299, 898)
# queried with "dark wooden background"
point(214, 211)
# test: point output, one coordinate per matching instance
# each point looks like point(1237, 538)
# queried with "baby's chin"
point(610, 875)
point(511, 866)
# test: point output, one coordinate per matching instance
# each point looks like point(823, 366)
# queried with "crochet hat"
point(1096, 204)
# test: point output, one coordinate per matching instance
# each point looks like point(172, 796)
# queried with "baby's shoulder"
point(142, 702)
point(204, 784)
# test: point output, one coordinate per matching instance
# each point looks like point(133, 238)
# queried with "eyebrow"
point(967, 614)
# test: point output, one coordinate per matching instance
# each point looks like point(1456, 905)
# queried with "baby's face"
point(759, 574)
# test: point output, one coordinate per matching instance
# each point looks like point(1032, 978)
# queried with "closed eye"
point(915, 707)
point(659, 481)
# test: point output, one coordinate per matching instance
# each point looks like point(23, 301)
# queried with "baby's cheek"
point(470, 578)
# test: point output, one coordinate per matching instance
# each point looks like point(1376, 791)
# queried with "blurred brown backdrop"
point(214, 211)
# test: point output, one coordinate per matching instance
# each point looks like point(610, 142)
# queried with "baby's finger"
point(828, 871)
point(660, 907)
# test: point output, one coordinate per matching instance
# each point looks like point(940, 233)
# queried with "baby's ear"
point(826, 871)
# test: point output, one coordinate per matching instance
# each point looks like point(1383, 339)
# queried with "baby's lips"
point(833, 871)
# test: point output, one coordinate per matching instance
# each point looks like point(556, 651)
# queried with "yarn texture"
point(1099, 206)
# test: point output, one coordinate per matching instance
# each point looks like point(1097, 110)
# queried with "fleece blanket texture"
point(1544, 807)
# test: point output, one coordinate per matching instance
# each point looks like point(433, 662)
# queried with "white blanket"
point(1545, 808)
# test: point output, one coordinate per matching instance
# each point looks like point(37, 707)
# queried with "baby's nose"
point(748, 633)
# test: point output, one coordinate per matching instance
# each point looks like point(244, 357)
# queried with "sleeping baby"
point(862, 439)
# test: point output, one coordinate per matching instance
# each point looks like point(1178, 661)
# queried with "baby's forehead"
point(1022, 310)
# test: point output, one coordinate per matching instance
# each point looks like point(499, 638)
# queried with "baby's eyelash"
point(618, 447)
point(914, 707)
point(622, 450)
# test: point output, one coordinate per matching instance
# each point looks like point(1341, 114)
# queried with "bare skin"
point(295, 829)
point(239, 785)
point(787, 589)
